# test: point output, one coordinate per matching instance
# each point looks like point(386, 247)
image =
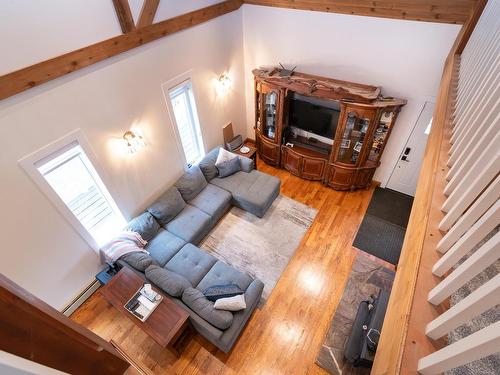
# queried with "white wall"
point(404, 57)
point(40, 250)
point(32, 31)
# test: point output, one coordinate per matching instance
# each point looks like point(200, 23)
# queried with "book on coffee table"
point(141, 306)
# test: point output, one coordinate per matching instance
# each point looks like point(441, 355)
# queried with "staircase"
point(488, 365)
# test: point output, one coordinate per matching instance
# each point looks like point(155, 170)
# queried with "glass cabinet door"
point(258, 109)
point(380, 135)
point(353, 136)
point(269, 114)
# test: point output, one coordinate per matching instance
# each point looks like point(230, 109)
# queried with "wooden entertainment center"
point(346, 162)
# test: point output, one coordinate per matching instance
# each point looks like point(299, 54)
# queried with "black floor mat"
point(383, 228)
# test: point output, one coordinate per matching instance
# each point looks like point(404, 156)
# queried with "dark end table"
point(168, 324)
point(252, 154)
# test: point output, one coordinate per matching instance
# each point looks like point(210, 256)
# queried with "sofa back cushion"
point(172, 283)
point(144, 224)
point(207, 164)
point(167, 206)
point(191, 183)
point(138, 260)
point(197, 302)
point(246, 164)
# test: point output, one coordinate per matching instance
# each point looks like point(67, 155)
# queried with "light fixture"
point(223, 83)
point(134, 141)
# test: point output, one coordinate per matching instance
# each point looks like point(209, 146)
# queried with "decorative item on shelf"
point(134, 140)
point(223, 83)
point(284, 72)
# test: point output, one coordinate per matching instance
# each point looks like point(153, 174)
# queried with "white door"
point(404, 177)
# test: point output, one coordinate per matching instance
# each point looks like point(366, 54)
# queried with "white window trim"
point(28, 164)
point(169, 86)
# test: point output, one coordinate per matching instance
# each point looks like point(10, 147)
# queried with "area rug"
point(383, 228)
point(261, 247)
point(367, 277)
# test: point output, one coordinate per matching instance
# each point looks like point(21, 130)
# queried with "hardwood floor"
point(284, 336)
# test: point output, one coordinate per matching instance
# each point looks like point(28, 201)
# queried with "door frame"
point(425, 100)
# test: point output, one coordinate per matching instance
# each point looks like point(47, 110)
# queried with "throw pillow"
point(224, 155)
point(197, 302)
point(172, 283)
point(207, 164)
point(235, 303)
point(144, 224)
point(228, 167)
point(191, 183)
point(167, 206)
point(138, 260)
point(222, 291)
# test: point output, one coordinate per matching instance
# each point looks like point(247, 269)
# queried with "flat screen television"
point(313, 118)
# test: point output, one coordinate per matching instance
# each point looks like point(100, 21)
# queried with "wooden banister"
point(33, 330)
point(403, 341)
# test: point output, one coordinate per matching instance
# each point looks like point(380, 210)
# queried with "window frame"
point(171, 86)
point(31, 163)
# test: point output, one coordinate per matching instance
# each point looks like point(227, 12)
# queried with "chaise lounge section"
point(178, 221)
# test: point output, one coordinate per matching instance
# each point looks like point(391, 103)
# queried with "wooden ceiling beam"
point(443, 11)
point(148, 12)
point(34, 75)
point(124, 15)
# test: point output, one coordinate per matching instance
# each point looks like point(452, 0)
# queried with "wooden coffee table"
point(168, 324)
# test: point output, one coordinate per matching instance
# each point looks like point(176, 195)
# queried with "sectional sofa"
point(178, 220)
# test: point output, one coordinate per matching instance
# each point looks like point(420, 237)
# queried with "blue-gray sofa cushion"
point(191, 183)
point(167, 206)
point(197, 302)
point(207, 164)
point(164, 246)
point(144, 224)
point(228, 167)
point(192, 263)
point(192, 224)
point(254, 192)
point(222, 274)
point(171, 282)
point(138, 260)
point(213, 200)
point(246, 164)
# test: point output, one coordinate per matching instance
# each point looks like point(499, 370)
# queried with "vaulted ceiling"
point(144, 30)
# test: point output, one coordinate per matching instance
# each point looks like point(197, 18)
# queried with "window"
point(428, 128)
point(67, 171)
point(186, 121)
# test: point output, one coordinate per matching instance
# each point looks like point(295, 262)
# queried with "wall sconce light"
point(134, 141)
point(223, 83)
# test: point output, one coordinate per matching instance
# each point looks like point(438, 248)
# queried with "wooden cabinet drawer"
point(313, 169)
point(291, 161)
point(268, 152)
point(340, 178)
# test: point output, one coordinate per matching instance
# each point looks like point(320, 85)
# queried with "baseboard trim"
point(81, 298)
